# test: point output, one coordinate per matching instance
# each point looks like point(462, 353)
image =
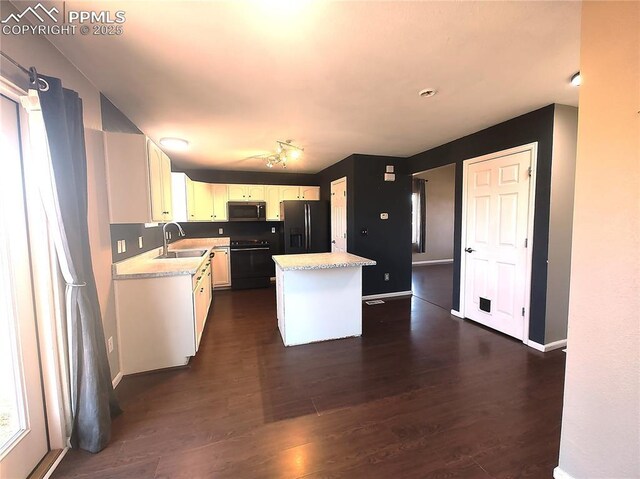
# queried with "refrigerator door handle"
point(306, 229)
point(310, 224)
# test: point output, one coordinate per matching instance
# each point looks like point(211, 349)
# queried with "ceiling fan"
point(285, 151)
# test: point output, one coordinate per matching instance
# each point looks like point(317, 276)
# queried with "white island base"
point(319, 296)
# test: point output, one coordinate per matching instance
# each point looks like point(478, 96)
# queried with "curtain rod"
point(33, 74)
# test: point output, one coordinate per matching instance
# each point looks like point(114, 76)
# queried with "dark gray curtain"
point(93, 398)
point(419, 188)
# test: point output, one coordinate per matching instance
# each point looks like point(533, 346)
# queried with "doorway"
point(497, 222)
point(339, 216)
point(433, 213)
point(23, 433)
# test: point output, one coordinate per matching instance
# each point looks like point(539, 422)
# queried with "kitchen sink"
point(184, 253)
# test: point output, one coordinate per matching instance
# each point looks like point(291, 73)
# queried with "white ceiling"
point(337, 77)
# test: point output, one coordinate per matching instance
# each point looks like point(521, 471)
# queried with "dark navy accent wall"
point(151, 238)
point(536, 126)
point(387, 241)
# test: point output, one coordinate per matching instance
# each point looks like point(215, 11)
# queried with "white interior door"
point(339, 215)
point(23, 440)
point(497, 210)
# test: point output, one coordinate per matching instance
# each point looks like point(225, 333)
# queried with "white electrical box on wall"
point(390, 169)
point(384, 216)
point(389, 177)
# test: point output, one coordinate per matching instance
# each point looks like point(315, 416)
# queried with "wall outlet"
point(110, 344)
point(273, 229)
point(386, 276)
point(140, 242)
point(220, 231)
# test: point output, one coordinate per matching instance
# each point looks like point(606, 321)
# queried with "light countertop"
point(294, 262)
point(146, 265)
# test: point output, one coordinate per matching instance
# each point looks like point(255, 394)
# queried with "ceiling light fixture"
point(285, 151)
point(427, 92)
point(176, 144)
point(576, 79)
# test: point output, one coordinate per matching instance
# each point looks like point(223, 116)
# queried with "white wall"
point(440, 193)
point(34, 50)
point(601, 416)
point(563, 170)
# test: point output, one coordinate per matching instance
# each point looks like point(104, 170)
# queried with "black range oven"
point(251, 264)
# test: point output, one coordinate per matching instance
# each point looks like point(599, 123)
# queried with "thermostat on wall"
point(384, 216)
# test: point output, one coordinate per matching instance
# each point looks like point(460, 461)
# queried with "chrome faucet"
point(165, 246)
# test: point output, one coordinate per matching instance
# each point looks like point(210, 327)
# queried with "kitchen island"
point(319, 296)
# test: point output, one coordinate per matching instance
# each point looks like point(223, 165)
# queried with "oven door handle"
point(250, 249)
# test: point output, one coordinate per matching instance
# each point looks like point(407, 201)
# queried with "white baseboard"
point(53, 466)
point(457, 314)
point(547, 347)
point(117, 380)
point(434, 261)
point(560, 474)
point(396, 294)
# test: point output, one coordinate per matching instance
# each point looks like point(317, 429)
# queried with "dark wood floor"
point(434, 283)
point(421, 394)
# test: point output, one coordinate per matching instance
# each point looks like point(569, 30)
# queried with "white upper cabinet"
point(160, 183)
point(309, 192)
point(237, 192)
point(203, 200)
point(246, 192)
point(255, 192)
point(290, 193)
point(220, 195)
point(273, 198)
point(182, 197)
point(138, 179)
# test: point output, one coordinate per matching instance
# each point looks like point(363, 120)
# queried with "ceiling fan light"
point(294, 154)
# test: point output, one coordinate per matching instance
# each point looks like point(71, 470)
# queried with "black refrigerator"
point(306, 226)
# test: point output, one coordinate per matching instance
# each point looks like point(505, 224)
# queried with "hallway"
point(433, 283)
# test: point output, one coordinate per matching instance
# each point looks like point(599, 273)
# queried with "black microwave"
point(247, 210)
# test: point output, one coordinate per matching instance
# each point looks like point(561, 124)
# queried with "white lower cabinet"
point(161, 319)
point(201, 301)
point(221, 265)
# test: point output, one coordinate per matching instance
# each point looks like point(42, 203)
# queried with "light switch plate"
point(384, 216)
point(390, 168)
point(273, 229)
point(124, 246)
point(139, 241)
point(220, 231)
point(389, 177)
point(110, 344)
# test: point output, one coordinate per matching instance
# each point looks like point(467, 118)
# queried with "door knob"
point(469, 250)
